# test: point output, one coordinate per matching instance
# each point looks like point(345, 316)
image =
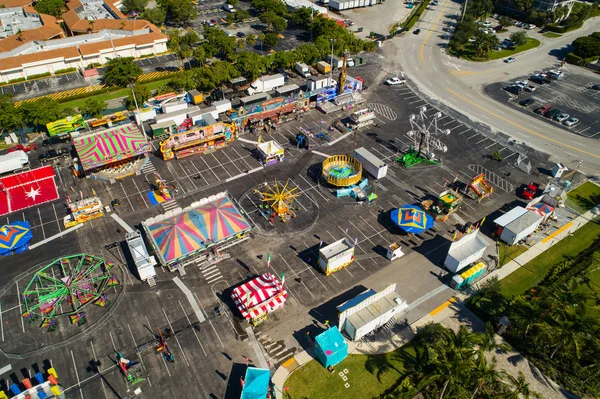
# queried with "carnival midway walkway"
point(452, 313)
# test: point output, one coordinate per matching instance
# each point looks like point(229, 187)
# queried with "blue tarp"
point(256, 383)
point(355, 301)
point(412, 219)
point(14, 238)
point(330, 347)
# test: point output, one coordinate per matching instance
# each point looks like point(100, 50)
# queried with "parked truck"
point(302, 69)
point(144, 263)
point(323, 67)
point(336, 62)
point(266, 83)
point(228, 7)
point(13, 162)
point(373, 165)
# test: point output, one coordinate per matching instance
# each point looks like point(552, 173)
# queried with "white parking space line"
point(484, 139)
point(213, 172)
point(301, 282)
point(475, 135)
point(141, 195)
point(76, 374)
point(188, 176)
point(233, 163)
point(41, 223)
point(491, 145)
point(243, 158)
point(99, 370)
point(126, 196)
point(193, 329)
point(20, 308)
point(198, 173)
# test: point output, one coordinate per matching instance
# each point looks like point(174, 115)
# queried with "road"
point(459, 84)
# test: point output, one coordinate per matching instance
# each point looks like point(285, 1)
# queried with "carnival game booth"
point(182, 236)
point(270, 152)
point(330, 347)
point(27, 189)
point(336, 256)
point(259, 297)
point(113, 153)
point(198, 140)
point(256, 384)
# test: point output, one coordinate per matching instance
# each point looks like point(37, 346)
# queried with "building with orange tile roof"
point(96, 32)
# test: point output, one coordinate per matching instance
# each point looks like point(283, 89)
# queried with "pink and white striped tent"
point(264, 294)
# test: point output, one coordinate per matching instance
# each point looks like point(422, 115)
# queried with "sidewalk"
point(445, 312)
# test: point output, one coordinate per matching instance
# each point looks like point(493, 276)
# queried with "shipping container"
point(375, 166)
point(323, 67)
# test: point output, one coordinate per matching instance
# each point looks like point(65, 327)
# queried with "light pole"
point(331, 66)
point(138, 110)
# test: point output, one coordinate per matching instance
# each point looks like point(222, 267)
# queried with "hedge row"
point(66, 70)
point(415, 15)
point(574, 59)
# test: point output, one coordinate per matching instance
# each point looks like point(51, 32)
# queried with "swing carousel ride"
point(65, 287)
point(278, 200)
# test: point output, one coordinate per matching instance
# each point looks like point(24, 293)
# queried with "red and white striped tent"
point(264, 294)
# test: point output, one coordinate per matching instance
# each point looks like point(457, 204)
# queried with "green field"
point(552, 35)
point(468, 51)
point(510, 252)
point(530, 274)
point(313, 381)
point(584, 197)
point(118, 93)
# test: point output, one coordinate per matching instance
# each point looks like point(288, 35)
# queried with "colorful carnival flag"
point(101, 301)
point(282, 279)
point(268, 260)
point(113, 281)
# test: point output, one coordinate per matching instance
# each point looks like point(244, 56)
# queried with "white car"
point(510, 59)
point(571, 121)
point(562, 117)
point(521, 83)
point(529, 88)
point(395, 81)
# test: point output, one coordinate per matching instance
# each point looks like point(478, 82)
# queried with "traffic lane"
point(472, 103)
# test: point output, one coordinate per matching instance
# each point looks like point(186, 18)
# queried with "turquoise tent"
point(256, 383)
point(330, 347)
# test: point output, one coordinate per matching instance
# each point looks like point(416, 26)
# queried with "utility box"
point(195, 97)
point(336, 256)
point(558, 169)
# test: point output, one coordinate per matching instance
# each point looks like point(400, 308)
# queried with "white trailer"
point(302, 69)
point(465, 251)
point(13, 161)
point(266, 83)
point(521, 227)
point(336, 256)
point(375, 166)
point(143, 261)
point(362, 117)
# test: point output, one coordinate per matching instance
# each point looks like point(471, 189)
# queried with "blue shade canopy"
point(256, 383)
point(412, 219)
point(14, 237)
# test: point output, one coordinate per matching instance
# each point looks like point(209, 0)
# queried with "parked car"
point(571, 121)
point(241, 34)
point(395, 81)
point(51, 155)
point(56, 140)
point(554, 74)
point(510, 59)
point(596, 87)
point(416, 31)
point(530, 26)
point(529, 88)
point(562, 117)
point(527, 102)
point(553, 113)
point(495, 16)
point(514, 89)
point(543, 110)
point(539, 79)
point(23, 147)
point(530, 191)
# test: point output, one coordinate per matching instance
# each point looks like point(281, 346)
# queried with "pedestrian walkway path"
point(212, 274)
point(190, 298)
point(450, 309)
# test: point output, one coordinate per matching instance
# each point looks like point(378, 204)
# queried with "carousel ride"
point(342, 171)
point(65, 287)
point(278, 200)
point(423, 132)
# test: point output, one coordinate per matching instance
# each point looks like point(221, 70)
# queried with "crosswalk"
point(384, 111)
point(212, 274)
point(169, 205)
point(276, 350)
point(148, 167)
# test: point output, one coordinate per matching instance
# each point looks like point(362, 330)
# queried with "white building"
point(465, 251)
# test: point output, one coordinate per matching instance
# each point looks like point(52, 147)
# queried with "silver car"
point(571, 121)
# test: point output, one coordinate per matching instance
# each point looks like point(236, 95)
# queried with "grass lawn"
point(468, 51)
point(509, 252)
point(529, 44)
point(552, 34)
point(534, 271)
point(584, 197)
point(118, 93)
point(313, 381)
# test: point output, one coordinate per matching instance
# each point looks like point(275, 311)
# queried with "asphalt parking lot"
point(572, 94)
point(208, 352)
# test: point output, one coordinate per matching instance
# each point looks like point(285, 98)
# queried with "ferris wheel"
point(424, 130)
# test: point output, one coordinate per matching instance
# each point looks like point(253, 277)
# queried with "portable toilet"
point(330, 347)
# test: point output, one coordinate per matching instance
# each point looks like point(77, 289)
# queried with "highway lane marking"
point(533, 132)
point(435, 23)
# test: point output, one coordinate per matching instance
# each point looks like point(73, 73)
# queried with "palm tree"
point(485, 374)
point(519, 388)
point(379, 365)
point(529, 311)
point(487, 341)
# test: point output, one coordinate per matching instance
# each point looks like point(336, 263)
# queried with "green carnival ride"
point(423, 129)
point(65, 287)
